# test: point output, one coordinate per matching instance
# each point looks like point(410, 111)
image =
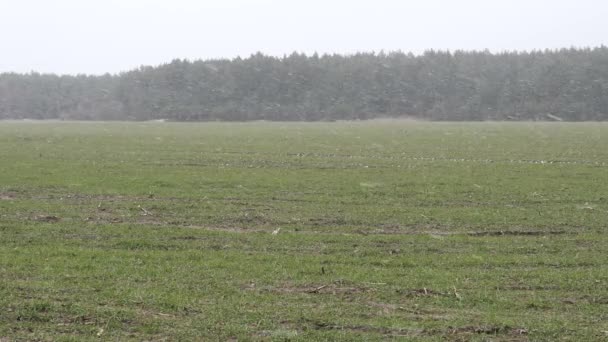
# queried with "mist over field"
point(284, 170)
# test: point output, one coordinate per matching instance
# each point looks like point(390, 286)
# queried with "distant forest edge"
point(567, 84)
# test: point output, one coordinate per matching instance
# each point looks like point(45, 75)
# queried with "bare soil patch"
point(529, 288)
point(424, 292)
point(47, 218)
point(503, 333)
point(451, 333)
point(7, 196)
point(335, 288)
point(320, 325)
point(518, 233)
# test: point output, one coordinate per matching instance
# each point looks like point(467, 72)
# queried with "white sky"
point(97, 36)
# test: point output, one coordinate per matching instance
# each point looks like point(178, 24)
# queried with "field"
point(303, 231)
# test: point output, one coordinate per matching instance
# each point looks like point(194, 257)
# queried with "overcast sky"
point(98, 36)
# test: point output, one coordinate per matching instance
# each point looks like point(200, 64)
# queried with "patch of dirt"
point(155, 314)
point(335, 288)
point(149, 220)
point(251, 219)
point(300, 200)
point(586, 299)
point(439, 230)
point(187, 238)
point(423, 292)
point(153, 221)
point(519, 333)
point(244, 224)
point(79, 320)
point(103, 220)
point(519, 287)
point(319, 325)
point(517, 233)
point(47, 218)
point(229, 229)
point(329, 222)
point(417, 229)
point(7, 196)
point(450, 333)
point(86, 197)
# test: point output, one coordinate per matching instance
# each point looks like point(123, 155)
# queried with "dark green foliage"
point(571, 84)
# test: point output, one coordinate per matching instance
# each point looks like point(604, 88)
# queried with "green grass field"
point(388, 230)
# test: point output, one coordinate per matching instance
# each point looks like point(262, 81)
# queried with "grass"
point(413, 231)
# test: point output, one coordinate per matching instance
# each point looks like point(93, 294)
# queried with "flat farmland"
point(303, 231)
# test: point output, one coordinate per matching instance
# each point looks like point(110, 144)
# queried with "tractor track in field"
point(275, 230)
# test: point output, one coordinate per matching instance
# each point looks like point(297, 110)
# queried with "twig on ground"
point(316, 290)
point(144, 210)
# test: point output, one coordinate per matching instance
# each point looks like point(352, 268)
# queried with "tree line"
point(569, 84)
